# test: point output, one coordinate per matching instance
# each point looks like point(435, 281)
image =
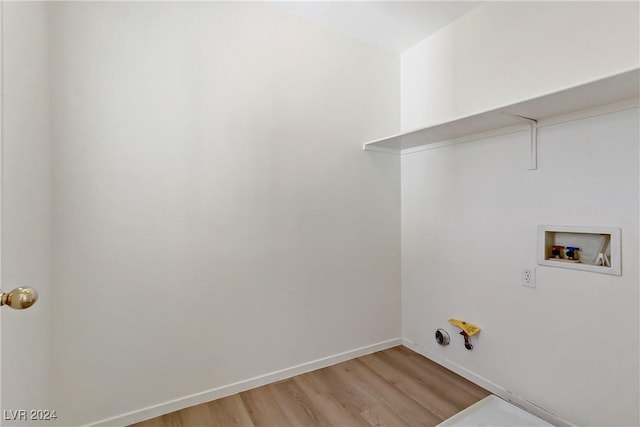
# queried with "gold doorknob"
point(19, 298)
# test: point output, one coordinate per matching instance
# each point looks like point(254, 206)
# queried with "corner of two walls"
point(470, 211)
point(504, 52)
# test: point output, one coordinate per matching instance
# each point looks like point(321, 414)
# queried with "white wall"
point(214, 216)
point(469, 226)
point(503, 52)
point(470, 211)
point(26, 205)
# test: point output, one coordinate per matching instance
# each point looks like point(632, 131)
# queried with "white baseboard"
point(490, 386)
point(228, 390)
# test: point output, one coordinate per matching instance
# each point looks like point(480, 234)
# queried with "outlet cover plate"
point(529, 277)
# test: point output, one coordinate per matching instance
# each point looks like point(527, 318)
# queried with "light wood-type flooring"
point(394, 387)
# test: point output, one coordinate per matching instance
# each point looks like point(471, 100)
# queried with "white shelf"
point(621, 90)
point(590, 240)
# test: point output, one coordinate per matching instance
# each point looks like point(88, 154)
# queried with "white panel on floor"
point(493, 411)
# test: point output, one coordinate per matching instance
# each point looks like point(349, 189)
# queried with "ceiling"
point(394, 25)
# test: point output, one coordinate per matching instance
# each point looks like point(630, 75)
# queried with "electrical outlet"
point(529, 277)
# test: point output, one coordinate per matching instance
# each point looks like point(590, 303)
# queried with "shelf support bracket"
point(533, 125)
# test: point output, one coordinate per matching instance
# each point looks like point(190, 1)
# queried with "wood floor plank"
point(153, 422)
point(380, 416)
point(354, 398)
point(429, 368)
point(406, 408)
point(454, 389)
point(229, 411)
point(394, 387)
point(297, 406)
point(432, 394)
point(263, 408)
point(197, 415)
point(172, 420)
point(327, 402)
